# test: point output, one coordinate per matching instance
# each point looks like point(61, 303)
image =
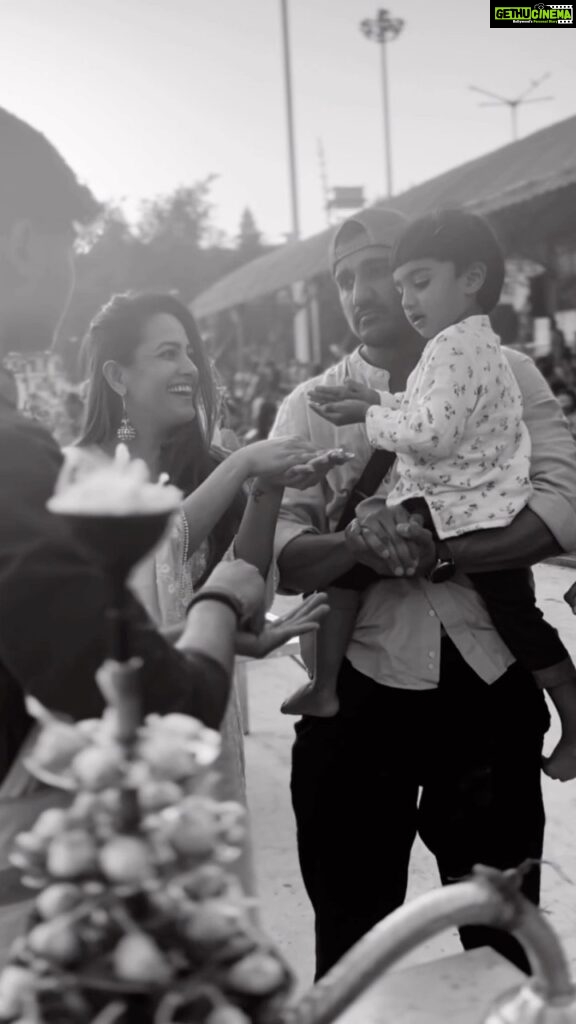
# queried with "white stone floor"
point(285, 910)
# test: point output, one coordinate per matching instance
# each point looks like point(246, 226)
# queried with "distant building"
point(527, 189)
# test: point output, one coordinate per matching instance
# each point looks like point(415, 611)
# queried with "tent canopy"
point(520, 171)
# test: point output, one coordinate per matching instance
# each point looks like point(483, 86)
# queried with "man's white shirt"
point(398, 631)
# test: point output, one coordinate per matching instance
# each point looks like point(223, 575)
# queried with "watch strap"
point(444, 567)
point(444, 551)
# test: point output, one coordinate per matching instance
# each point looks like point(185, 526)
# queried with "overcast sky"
point(145, 95)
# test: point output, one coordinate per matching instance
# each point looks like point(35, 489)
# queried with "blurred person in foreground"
point(431, 700)
point(53, 598)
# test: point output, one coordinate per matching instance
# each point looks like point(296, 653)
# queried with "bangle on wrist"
point(223, 597)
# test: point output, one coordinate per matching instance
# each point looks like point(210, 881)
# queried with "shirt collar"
point(375, 376)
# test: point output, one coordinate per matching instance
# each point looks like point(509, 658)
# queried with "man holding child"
point(431, 699)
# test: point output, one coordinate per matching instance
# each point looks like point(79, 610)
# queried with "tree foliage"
point(249, 235)
point(172, 245)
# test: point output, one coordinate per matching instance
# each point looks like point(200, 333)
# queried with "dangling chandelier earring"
point(125, 432)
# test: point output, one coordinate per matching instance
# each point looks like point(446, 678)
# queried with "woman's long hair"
point(187, 454)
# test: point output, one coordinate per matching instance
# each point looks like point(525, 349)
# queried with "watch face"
point(442, 571)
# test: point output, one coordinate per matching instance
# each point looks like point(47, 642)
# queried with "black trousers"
point(471, 751)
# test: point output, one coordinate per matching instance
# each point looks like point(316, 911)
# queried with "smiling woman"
point(160, 384)
point(151, 386)
point(146, 365)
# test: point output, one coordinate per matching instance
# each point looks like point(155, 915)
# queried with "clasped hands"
point(390, 540)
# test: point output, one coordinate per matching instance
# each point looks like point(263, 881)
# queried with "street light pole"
point(383, 29)
point(513, 104)
point(386, 111)
point(290, 122)
point(514, 120)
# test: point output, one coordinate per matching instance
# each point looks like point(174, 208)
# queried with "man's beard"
point(391, 328)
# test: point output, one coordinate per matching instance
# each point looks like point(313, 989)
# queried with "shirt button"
point(433, 614)
point(431, 666)
point(431, 654)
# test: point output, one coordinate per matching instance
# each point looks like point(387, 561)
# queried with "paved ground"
point(284, 904)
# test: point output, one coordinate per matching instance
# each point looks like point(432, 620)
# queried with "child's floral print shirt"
point(458, 431)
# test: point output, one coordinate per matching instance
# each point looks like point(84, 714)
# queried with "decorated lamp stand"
point(138, 916)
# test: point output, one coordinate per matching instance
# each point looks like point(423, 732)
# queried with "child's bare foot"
point(310, 700)
point(561, 764)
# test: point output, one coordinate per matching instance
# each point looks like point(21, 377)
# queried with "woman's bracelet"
point(223, 597)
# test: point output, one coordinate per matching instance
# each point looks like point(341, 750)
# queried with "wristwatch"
point(444, 567)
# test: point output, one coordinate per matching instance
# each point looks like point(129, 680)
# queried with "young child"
point(463, 450)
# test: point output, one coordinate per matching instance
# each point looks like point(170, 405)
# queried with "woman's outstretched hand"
point(304, 476)
point(289, 461)
point(305, 618)
point(272, 459)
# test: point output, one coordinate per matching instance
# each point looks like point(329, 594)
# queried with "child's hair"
point(458, 237)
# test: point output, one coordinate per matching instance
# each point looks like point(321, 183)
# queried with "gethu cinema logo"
point(539, 13)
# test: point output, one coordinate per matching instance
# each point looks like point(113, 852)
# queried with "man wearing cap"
point(432, 704)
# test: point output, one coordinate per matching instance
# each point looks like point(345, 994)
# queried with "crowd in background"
point(249, 397)
point(558, 366)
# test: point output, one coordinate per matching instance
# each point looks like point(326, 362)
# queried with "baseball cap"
point(368, 228)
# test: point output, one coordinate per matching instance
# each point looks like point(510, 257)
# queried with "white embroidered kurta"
point(458, 432)
point(164, 583)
